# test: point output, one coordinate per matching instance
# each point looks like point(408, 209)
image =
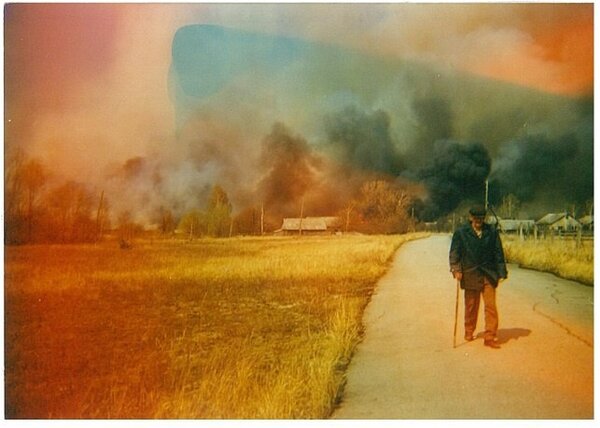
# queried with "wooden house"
point(516, 225)
point(310, 226)
point(558, 222)
point(587, 222)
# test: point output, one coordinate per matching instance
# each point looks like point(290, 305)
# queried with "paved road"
point(407, 368)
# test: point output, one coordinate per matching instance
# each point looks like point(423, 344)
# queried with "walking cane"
point(456, 311)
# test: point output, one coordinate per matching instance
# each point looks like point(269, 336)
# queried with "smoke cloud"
point(551, 171)
point(157, 109)
point(455, 172)
point(291, 170)
point(546, 46)
point(362, 140)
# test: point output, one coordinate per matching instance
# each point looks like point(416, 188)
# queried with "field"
point(230, 328)
point(561, 257)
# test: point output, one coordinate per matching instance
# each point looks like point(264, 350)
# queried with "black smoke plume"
point(434, 122)
point(557, 171)
point(454, 173)
point(363, 140)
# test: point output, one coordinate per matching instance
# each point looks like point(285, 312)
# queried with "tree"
point(166, 221)
point(13, 183)
point(347, 212)
point(218, 213)
point(24, 181)
point(383, 207)
point(589, 207)
point(14, 223)
point(70, 208)
point(128, 229)
point(510, 206)
point(102, 216)
point(192, 224)
point(248, 222)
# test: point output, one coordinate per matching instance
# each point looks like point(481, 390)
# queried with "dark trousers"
point(472, 298)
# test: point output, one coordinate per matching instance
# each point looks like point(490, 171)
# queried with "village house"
point(516, 226)
point(587, 223)
point(558, 223)
point(310, 226)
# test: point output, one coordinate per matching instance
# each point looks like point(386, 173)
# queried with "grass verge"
point(233, 328)
point(560, 257)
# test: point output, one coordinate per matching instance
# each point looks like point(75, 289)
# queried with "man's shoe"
point(469, 337)
point(491, 343)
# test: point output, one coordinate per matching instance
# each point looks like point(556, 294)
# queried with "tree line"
point(380, 206)
point(39, 210)
point(36, 212)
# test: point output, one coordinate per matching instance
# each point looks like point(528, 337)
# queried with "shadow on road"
point(506, 334)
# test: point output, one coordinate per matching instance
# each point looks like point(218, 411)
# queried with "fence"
point(578, 237)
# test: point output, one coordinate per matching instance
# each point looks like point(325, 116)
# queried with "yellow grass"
point(232, 328)
point(561, 257)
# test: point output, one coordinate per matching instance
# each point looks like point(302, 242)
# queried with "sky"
point(89, 86)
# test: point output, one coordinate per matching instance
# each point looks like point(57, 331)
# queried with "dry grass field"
point(230, 328)
point(561, 257)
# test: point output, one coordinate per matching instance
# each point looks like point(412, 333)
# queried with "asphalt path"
point(407, 367)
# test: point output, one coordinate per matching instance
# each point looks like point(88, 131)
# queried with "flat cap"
point(478, 211)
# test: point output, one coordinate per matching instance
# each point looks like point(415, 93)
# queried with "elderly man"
point(477, 261)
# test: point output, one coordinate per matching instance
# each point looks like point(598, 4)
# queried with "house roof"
point(512, 224)
point(310, 223)
point(552, 218)
point(332, 221)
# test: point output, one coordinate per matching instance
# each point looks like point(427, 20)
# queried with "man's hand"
point(457, 275)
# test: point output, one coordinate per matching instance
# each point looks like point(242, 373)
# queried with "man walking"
point(477, 261)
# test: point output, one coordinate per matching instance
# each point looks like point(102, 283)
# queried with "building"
point(516, 226)
point(558, 222)
point(587, 222)
point(310, 226)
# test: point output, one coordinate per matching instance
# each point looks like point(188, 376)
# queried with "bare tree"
point(71, 206)
point(128, 229)
point(166, 220)
point(13, 183)
point(348, 211)
point(34, 177)
point(589, 207)
point(383, 206)
point(102, 216)
point(510, 206)
point(248, 221)
point(24, 179)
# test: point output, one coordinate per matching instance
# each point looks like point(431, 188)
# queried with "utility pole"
point(301, 215)
point(99, 219)
point(487, 183)
point(262, 219)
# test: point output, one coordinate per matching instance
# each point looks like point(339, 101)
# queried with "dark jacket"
point(477, 257)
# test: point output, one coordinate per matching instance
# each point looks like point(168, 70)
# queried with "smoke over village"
point(160, 116)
